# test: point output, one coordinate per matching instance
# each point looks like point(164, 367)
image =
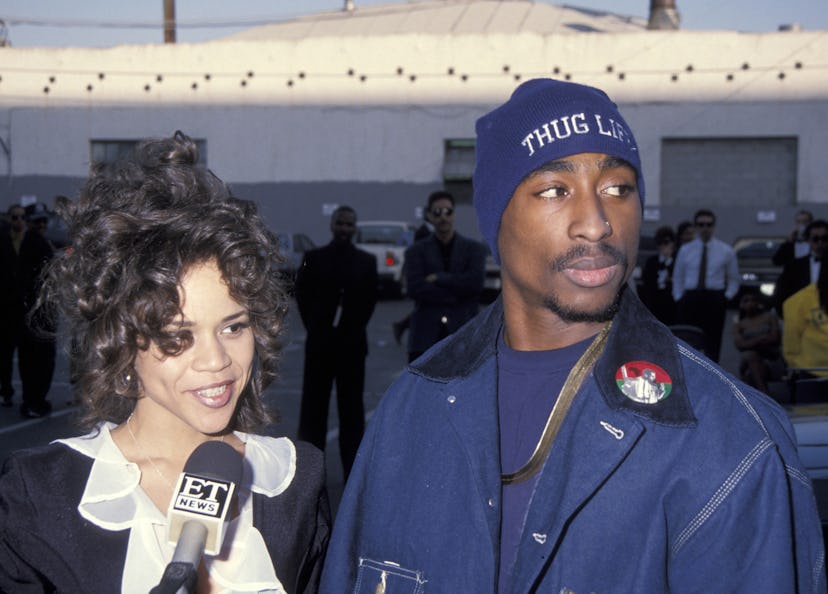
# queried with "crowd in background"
point(684, 284)
point(672, 285)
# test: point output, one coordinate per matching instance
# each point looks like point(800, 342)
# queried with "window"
point(458, 168)
point(109, 151)
point(753, 172)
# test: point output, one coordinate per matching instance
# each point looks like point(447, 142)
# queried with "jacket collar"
point(636, 335)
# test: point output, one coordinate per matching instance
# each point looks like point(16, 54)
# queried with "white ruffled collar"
point(113, 500)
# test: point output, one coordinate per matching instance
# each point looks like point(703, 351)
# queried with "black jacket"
point(795, 275)
point(47, 546)
point(332, 276)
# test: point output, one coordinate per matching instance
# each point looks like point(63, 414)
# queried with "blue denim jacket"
point(702, 491)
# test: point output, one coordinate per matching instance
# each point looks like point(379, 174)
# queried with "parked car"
point(756, 267)
point(292, 247)
point(387, 240)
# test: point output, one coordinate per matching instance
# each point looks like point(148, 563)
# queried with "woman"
point(757, 336)
point(805, 336)
point(174, 308)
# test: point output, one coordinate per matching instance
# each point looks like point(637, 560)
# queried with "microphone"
point(197, 513)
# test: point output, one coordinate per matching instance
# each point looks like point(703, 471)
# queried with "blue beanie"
point(543, 120)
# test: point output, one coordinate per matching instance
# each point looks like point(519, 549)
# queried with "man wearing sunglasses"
point(705, 278)
point(564, 440)
point(801, 272)
point(445, 274)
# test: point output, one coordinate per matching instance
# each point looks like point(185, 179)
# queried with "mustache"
point(583, 250)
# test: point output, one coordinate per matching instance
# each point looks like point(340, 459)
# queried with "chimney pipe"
point(663, 15)
point(169, 21)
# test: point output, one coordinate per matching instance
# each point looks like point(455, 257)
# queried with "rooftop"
point(441, 17)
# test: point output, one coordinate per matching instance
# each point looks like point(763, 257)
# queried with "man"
point(30, 331)
point(474, 477)
point(445, 274)
point(705, 278)
point(336, 291)
point(400, 326)
point(797, 244)
point(801, 272)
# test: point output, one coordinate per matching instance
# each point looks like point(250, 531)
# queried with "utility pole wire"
point(195, 24)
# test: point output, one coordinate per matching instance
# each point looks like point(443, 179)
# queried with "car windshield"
point(387, 234)
point(759, 250)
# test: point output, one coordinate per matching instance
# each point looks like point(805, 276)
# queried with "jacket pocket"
point(387, 577)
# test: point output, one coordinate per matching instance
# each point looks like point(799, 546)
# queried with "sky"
point(104, 23)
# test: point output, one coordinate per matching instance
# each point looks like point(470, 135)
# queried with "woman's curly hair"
point(138, 226)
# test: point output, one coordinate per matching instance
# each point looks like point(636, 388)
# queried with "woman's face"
point(199, 389)
point(750, 304)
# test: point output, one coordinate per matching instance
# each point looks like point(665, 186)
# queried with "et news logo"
point(202, 495)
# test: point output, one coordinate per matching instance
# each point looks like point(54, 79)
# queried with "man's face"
point(441, 215)
point(818, 238)
point(704, 227)
point(40, 225)
point(343, 226)
point(802, 220)
point(569, 236)
point(17, 217)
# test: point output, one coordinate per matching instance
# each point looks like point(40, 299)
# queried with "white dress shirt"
point(814, 268)
point(722, 268)
point(114, 500)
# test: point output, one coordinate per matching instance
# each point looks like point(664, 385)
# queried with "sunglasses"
point(438, 212)
point(705, 224)
point(17, 217)
point(819, 238)
point(664, 241)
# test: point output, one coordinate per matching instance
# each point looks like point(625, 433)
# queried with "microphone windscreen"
point(216, 460)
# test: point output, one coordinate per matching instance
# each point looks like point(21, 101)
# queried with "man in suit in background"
point(797, 244)
point(801, 272)
point(29, 330)
point(445, 274)
point(336, 291)
point(705, 278)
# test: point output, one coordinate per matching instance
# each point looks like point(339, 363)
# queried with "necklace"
point(147, 456)
point(559, 410)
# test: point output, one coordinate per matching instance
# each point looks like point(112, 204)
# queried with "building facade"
point(376, 108)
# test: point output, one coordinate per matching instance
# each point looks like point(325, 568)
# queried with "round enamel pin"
point(642, 381)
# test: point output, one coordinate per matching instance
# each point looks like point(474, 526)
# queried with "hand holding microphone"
point(198, 511)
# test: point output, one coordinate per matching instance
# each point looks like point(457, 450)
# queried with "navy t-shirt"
point(528, 386)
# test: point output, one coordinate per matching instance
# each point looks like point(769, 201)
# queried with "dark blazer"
point(659, 301)
point(795, 275)
point(453, 297)
point(331, 276)
point(786, 252)
point(20, 272)
point(46, 546)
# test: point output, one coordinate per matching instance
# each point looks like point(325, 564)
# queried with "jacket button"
point(452, 399)
point(491, 502)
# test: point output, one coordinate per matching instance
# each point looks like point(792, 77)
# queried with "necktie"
point(702, 268)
